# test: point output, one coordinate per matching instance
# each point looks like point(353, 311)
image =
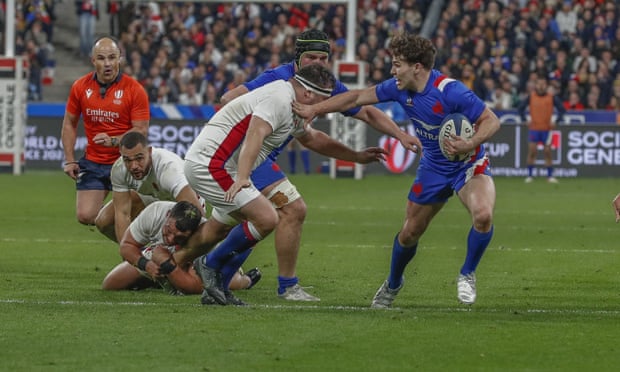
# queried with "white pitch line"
point(426, 309)
point(354, 246)
point(453, 248)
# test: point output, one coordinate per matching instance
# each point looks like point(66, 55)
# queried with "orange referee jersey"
point(110, 111)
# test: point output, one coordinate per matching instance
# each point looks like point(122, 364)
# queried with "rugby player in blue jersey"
point(428, 96)
point(312, 46)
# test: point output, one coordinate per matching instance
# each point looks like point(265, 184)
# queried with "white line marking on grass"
point(426, 309)
point(453, 248)
point(46, 240)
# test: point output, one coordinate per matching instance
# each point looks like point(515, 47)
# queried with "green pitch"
point(548, 288)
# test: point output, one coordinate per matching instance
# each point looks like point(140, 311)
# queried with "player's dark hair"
point(311, 41)
point(186, 215)
point(319, 76)
point(132, 139)
point(414, 49)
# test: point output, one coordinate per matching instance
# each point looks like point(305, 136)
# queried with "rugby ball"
point(458, 125)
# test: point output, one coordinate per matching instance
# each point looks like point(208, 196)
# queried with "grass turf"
point(548, 288)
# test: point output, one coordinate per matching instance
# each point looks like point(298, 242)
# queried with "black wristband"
point(167, 267)
point(141, 264)
point(71, 162)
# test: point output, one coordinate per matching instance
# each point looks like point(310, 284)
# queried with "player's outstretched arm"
point(338, 103)
point(323, 144)
point(384, 124)
point(233, 93)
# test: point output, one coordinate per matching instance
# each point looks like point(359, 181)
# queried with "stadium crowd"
point(192, 53)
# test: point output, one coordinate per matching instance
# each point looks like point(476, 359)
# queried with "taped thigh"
point(283, 194)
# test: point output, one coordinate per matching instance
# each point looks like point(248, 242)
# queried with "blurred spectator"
point(592, 99)
point(604, 81)
point(164, 95)
point(506, 98)
point(468, 76)
point(476, 40)
point(35, 33)
point(190, 96)
point(211, 97)
point(573, 102)
point(88, 13)
point(614, 104)
point(41, 12)
point(37, 57)
point(616, 88)
point(615, 44)
point(112, 9)
point(574, 87)
point(566, 19)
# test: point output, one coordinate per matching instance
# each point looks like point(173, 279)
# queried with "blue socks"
point(477, 243)
point(231, 267)
point(284, 283)
point(292, 161)
point(305, 159)
point(530, 170)
point(236, 242)
point(549, 172)
point(400, 258)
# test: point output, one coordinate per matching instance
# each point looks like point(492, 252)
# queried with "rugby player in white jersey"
point(236, 139)
point(141, 176)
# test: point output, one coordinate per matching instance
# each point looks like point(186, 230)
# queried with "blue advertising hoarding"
point(588, 146)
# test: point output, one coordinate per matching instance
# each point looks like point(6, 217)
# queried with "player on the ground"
point(162, 223)
point(141, 176)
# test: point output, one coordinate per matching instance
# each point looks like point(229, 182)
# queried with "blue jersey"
point(287, 71)
point(268, 172)
point(426, 110)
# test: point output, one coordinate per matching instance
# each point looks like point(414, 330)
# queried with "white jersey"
point(211, 161)
point(146, 229)
point(164, 181)
point(218, 144)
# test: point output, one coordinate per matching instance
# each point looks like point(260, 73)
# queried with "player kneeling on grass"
point(147, 246)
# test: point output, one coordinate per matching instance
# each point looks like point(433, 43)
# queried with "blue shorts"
point(430, 187)
point(266, 174)
point(93, 176)
point(539, 136)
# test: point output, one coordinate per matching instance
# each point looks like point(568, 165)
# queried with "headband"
point(313, 87)
point(313, 45)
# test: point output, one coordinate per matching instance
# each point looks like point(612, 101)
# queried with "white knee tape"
point(283, 194)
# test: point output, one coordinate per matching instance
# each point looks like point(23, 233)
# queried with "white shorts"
point(201, 180)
